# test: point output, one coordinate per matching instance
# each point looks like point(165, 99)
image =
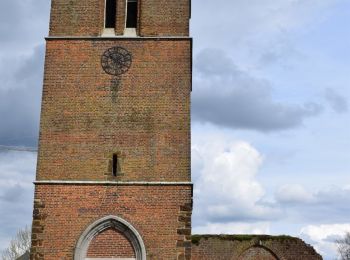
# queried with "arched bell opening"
point(110, 238)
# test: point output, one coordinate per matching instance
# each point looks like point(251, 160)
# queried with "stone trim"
point(184, 243)
point(121, 183)
point(102, 38)
point(110, 259)
point(110, 222)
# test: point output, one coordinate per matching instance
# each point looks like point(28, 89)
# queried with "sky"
point(270, 116)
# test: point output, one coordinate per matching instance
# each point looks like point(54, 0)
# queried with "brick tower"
point(113, 175)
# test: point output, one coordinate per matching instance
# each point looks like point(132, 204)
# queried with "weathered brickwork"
point(88, 120)
point(77, 18)
point(164, 18)
point(110, 243)
point(148, 124)
point(121, 16)
point(66, 211)
point(225, 247)
point(258, 252)
point(86, 18)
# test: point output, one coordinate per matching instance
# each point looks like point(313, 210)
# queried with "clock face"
point(116, 61)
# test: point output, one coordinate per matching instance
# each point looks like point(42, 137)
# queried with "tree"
point(18, 245)
point(344, 247)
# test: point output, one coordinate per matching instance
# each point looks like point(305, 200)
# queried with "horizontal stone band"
point(60, 182)
point(117, 38)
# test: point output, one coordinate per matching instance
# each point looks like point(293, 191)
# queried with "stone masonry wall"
point(241, 247)
point(161, 215)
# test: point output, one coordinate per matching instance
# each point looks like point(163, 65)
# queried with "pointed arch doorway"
point(110, 238)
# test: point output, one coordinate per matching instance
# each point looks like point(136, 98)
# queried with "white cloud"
point(310, 206)
point(294, 193)
point(229, 199)
point(323, 237)
point(323, 232)
point(233, 228)
point(226, 188)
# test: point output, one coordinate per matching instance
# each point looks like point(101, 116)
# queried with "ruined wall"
point(241, 247)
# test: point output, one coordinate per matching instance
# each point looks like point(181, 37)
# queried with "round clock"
point(116, 61)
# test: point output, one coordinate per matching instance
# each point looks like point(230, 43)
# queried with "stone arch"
point(258, 252)
point(103, 224)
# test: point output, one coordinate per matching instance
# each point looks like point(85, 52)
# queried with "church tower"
point(113, 175)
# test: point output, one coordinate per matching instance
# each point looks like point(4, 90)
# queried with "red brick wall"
point(86, 18)
point(121, 16)
point(76, 17)
point(216, 247)
point(148, 125)
point(161, 215)
point(110, 243)
point(257, 253)
point(164, 18)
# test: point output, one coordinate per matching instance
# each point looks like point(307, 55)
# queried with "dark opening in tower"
point(111, 14)
point(131, 15)
point(115, 165)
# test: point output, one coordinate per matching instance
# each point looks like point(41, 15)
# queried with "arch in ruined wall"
point(258, 252)
point(103, 224)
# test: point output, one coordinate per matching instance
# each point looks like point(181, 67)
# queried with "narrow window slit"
point(111, 14)
point(131, 16)
point(115, 165)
